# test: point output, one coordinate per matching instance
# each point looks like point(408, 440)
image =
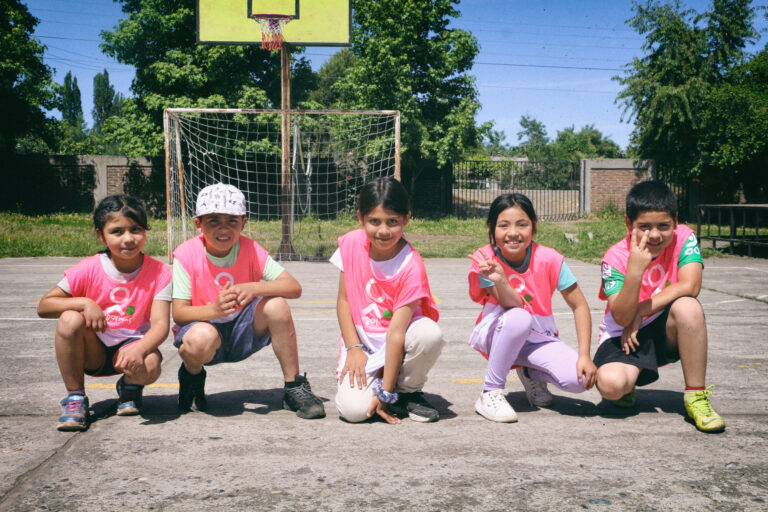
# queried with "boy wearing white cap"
point(229, 302)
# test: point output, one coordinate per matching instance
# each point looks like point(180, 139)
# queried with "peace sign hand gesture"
point(489, 268)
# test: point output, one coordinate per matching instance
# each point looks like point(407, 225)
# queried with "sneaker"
point(130, 399)
point(627, 401)
point(537, 392)
point(75, 414)
point(191, 388)
point(300, 398)
point(701, 412)
point(414, 406)
point(493, 406)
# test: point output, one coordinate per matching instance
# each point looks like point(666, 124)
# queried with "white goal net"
point(300, 194)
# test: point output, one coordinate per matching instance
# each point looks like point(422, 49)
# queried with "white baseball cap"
point(220, 198)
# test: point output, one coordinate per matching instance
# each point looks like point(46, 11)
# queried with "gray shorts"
point(238, 339)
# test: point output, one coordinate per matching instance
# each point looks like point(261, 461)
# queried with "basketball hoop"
point(271, 26)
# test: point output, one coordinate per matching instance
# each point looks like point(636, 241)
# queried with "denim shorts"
point(238, 339)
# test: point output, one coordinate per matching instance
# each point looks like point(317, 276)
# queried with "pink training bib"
point(206, 279)
point(127, 306)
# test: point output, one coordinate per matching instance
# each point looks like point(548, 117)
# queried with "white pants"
point(423, 344)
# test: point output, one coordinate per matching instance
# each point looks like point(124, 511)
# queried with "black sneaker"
point(130, 398)
point(191, 387)
point(414, 406)
point(299, 398)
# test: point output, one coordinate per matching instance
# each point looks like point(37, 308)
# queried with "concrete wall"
point(110, 172)
point(606, 181)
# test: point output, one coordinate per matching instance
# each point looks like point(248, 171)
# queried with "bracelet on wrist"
point(384, 396)
point(359, 345)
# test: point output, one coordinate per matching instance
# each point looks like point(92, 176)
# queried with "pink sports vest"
point(372, 301)
point(127, 306)
point(536, 286)
point(660, 273)
point(206, 279)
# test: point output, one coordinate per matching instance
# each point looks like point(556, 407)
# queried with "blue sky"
point(549, 59)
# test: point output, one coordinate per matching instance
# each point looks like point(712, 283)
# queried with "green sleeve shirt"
point(690, 253)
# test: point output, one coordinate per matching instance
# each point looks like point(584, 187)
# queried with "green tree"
point(588, 142)
point(733, 146)
point(330, 73)
point(106, 102)
point(407, 58)
point(666, 90)
point(172, 70)
point(71, 105)
point(26, 86)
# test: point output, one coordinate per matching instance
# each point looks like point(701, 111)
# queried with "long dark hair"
point(505, 201)
point(387, 192)
point(119, 204)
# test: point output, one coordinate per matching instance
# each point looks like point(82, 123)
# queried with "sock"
point(293, 384)
point(691, 389)
point(80, 392)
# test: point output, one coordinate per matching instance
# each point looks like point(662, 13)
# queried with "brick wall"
point(116, 177)
point(606, 181)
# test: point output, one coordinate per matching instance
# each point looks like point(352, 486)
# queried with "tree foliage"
point(26, 87)
point(688, 57)
point(407, 58)
point(172, 70)
point(70, 102)
point(106, 102)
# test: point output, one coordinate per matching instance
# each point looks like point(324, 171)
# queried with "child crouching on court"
point(113, 311)
point(651, 280)
point(514, 279)
point(388, 318)
point(229, 302)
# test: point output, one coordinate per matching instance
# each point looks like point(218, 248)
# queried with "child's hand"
point(586, 371)
point(381, 409)
point(226, 302)
point(355, 365)
point(639, 255)
point(130, 359)
point(629, 342)
point(244, 294)
point(94, 317)
point(489, 268)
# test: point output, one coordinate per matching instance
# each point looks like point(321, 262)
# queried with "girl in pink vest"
point(388, 318)
point(514, 278)
point(113, 310)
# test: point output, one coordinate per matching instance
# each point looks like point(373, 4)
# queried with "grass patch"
point(449, 237)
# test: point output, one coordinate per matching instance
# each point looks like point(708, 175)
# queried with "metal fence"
point(553, 187)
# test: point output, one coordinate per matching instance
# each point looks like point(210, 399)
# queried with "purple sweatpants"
point(507, 344)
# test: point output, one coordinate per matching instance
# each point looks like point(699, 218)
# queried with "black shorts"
point(654, 350)
point(108, 366)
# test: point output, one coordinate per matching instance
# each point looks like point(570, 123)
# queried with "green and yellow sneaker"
point(627, 401)
point(701, 412)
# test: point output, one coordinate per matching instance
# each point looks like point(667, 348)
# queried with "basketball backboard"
point(314, 23)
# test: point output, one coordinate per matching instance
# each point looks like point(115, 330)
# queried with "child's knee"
point(201, 338)
point(69, 323)
point(424, 335)
point(612, 383)
point(276, 309)
point(517, 319)
point(353, 411)
point(687, 311)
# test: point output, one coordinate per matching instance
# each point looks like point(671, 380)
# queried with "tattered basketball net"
point(271, 26)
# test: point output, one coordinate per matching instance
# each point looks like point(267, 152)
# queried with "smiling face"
point(384, 229)
point(125, 240)
point(221, 232)
point(659, 225)
point(513, 234)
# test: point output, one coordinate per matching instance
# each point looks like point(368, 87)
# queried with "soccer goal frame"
point(303, 167)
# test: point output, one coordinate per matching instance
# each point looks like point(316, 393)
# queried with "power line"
point(544, 66)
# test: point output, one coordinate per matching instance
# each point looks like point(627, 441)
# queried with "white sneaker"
point(537, 392)
point(494, 406)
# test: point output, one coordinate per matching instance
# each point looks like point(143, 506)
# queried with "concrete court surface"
point(246, 453)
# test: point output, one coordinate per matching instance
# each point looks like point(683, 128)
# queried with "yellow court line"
point(750, 365)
